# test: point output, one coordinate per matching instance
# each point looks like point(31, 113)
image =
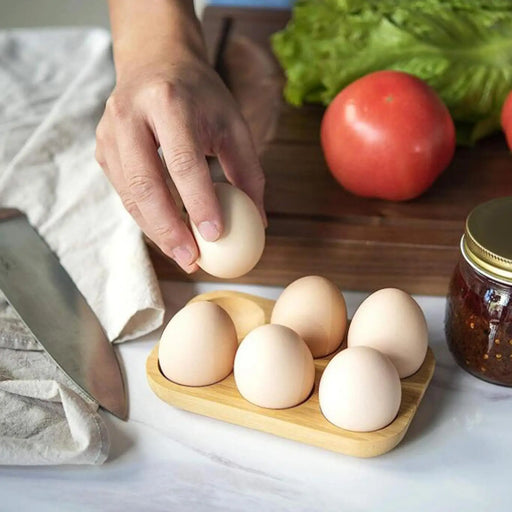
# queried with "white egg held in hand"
point(392, 322)
point(360, 390)
point(315, 309)
point(274, 367)
point(198, 345)
point(241, 244)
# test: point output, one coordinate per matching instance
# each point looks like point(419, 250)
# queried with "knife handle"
point(9, 213)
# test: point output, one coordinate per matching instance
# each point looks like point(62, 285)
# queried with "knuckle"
point(102, 135)
point(129, 204)
point(161, 92)
point(166, 232)
point(117, 107)
point(100, 157)
point(140, 186)
point(182, 162)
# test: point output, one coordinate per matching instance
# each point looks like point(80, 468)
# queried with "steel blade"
point(53, 309)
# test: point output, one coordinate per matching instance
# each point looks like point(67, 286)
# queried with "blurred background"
point(37, 13)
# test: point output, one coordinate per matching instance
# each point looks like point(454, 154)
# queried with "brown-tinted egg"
point(274, 367)
point(391, 321)
point(198, 345)
point(360, 390)
point(315, 309)
point(242, 242)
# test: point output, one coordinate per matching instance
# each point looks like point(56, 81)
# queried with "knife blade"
point(56, 313)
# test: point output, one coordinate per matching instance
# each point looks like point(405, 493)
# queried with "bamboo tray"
point(305, 422)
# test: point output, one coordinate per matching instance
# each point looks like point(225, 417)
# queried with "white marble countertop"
point(456, 456)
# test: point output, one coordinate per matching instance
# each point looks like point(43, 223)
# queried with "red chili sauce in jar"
point(478, 322)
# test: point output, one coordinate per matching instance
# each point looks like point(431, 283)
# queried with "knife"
point(53, 309)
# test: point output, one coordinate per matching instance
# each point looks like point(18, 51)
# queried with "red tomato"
point(387, 135)
point(506, 119)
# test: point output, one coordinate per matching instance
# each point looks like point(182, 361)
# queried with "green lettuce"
point(462, 48)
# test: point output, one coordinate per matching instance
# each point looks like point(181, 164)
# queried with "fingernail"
point(209, 231)
point(183, 256)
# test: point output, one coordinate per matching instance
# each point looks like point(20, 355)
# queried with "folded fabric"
point(44, 418)
point(54, 84)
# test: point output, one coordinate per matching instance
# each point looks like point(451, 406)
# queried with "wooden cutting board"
point(304, 422)
point(315, 227)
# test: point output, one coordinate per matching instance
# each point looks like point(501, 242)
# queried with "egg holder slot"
point(304, 422)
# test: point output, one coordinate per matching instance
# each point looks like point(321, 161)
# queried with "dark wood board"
point(316, 227)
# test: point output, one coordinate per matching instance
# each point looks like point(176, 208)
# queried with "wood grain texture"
point(305, 422)
point(315, 226)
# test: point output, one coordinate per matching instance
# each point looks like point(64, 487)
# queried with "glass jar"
point(478, 321)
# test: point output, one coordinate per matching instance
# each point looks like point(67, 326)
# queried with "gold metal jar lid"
point(487, 241)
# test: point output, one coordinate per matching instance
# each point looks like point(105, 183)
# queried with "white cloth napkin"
point(53, 86)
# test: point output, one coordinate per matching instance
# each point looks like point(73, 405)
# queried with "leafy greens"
point(462, 48)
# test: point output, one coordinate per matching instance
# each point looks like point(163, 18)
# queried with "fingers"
point(135, 170)
point(241, 165)
point(145, 185)
point(108, 158)
point(130, 160)
point(187, 166)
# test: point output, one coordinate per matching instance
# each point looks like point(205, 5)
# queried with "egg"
point(241, 244)
point(198, 345)
point(360, 390)
point(274, 367)
point(315, 309)
point(391, 321)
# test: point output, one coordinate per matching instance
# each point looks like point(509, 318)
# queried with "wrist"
point(147, 34)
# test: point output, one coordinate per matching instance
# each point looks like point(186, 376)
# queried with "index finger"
point(188, 168)
point(144, 182)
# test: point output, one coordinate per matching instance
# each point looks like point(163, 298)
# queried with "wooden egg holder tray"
point(304, 422)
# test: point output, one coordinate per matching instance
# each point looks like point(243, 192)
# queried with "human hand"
point(181, 105)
